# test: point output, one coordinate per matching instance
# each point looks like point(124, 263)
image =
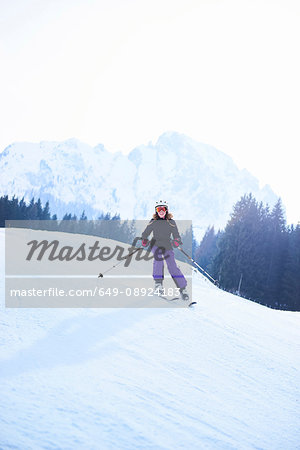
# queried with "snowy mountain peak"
point(200, 182)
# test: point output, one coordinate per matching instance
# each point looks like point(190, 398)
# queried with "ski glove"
point(145, 242)
point(176, 242)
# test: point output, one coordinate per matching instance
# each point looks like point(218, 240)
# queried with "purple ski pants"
point(158, 267)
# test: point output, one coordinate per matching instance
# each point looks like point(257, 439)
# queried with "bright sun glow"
point(123, 72)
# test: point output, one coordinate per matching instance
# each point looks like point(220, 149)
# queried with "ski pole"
point(115, 265)
point(201, 268)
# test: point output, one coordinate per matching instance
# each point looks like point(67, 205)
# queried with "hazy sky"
point(122, 72)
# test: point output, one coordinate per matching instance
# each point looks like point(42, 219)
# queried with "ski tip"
point(192, 304)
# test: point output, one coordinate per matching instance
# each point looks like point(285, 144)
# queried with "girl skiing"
point(163, 226)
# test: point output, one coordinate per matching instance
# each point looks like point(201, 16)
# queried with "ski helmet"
point(161, 203)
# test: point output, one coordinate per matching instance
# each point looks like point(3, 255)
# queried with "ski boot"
point(184, 294)
point(158, 288)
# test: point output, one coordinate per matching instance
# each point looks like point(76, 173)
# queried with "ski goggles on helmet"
point(160, 208)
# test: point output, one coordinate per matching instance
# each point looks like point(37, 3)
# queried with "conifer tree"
point(207, 249)
point(291, 275)
point(277, 252)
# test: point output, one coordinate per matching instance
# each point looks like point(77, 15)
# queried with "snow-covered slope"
point(222, 376)
point(73, 176)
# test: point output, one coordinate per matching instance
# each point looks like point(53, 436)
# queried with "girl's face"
point(162, 213)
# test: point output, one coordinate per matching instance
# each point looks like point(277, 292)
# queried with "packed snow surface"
point(224, 375)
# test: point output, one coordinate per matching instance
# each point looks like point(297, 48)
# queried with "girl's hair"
point(168, 217)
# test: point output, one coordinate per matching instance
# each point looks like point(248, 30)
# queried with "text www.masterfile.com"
point(96, 292)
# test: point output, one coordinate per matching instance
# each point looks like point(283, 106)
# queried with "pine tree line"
point(106, 226)
point(13, 209)
point(257, 256)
